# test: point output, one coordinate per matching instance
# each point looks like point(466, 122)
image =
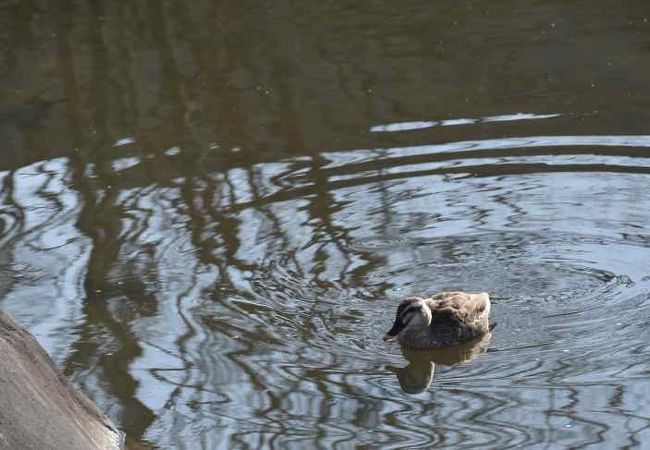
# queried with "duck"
point(442, 320)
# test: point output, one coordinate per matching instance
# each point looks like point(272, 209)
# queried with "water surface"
point(209, 212)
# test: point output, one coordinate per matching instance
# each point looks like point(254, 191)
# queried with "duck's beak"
point(389, 337)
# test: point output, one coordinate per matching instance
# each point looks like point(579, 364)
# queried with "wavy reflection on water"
point(200, 313)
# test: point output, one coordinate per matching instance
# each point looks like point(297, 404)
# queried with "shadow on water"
point(208, 211)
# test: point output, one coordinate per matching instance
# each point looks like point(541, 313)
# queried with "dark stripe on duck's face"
point(403, 318)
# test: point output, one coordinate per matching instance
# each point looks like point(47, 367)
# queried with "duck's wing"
point(461, 310)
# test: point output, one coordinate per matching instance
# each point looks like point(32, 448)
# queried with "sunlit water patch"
point(422, 124)
point(250, 309)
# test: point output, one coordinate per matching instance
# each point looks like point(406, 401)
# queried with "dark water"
point(210, 209)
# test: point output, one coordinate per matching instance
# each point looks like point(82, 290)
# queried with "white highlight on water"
point(422, 124)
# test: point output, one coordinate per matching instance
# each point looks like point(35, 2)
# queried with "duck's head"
point(411, 313)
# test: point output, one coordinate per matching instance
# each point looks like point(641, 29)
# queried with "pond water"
point(209, 211)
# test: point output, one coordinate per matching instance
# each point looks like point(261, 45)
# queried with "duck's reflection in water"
point(417, 375)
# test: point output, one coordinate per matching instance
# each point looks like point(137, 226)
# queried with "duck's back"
point(462, 304)
point(459, 315)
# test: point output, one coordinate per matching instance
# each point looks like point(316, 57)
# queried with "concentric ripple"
point(568, 278)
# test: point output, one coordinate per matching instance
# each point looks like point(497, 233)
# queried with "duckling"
point(442, 320)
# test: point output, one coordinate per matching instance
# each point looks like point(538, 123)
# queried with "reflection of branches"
point(10, 207)
point(321, 209)
point(12, 221)
point(99, 219)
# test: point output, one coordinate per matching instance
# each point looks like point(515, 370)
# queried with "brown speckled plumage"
point(444, 319)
